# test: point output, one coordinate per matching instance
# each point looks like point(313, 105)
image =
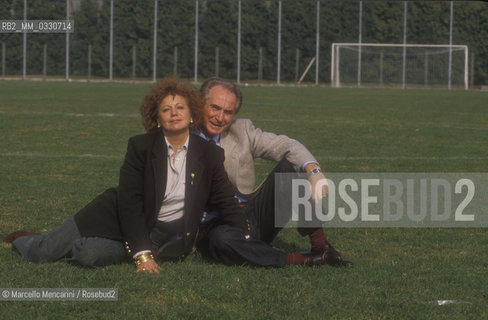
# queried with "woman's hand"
point(149, 266)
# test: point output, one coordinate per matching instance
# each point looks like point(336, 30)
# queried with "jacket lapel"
point(194, 171)
point(160, 167)
point(227, 141)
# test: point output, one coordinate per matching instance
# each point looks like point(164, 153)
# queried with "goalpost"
point(399, 65)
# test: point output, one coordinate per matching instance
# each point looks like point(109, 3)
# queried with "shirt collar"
point(170, 147)
point(202, 135)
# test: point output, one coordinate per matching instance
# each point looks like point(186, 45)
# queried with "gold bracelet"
point(140, 261)
point(145, 257)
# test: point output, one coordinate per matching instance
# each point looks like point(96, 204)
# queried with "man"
point(242, 142)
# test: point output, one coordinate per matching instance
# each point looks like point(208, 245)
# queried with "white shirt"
point(174, 198)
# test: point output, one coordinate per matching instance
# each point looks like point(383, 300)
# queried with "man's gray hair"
point(227, 84)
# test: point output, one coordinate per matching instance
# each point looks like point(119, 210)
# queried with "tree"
point(176, 29)
point(218, 28)
point(258, 30)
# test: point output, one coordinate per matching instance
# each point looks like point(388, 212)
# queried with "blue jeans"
point(65, 242)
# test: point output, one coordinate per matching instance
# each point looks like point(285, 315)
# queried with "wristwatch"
point(314, 171)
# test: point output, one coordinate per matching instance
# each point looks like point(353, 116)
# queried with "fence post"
point(471, 73)
point(155, 40)
point(3, 60)
point(175, 61)
point(111, 46)
point(44, 62)
point(449, 70)
point(133, 63)
point(260, 64)
point(278, 58)
point(317, 45)
point(404, 58)
point(89, 61)
point(297, 63)
point(67, 43)
point(216, 61)
point(381, 67)
point(239, 43)
point(24, 37)
point(360, 40)
point(426, 69)
point(195, 68)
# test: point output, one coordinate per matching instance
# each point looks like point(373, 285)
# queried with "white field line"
point(71, 114)
point(57, 155)
point(40, 79)
point(455, 158)
point(324, 121)
point(332, 158)
point(348, 107)
point(417, 125)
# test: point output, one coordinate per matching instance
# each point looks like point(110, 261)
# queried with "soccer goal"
point(399, 65)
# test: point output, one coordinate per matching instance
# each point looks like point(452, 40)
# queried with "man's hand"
point(319, 186)
point(149, 266)
point(318, 182)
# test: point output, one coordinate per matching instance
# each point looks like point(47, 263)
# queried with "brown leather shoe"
point(315, 258)
point(11, 237)
point(334, 258)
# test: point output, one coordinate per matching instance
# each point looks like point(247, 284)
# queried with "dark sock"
point(318, 240)
point(295, 258)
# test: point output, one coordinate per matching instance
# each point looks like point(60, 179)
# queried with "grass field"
point(63, 143)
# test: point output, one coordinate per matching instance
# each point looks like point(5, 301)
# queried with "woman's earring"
point(159, 126)
point(191, 120)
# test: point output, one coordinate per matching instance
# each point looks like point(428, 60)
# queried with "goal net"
point(399, 65)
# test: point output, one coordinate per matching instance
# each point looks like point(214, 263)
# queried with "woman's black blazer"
point(128, 213)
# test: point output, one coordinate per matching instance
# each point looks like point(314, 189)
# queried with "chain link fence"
point(273, 41)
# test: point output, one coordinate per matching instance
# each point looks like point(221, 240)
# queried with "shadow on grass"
point(286, 246)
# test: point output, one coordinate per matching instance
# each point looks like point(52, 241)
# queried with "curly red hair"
point(171, 86)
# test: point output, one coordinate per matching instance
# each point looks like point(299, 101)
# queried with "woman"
point(167, 180)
